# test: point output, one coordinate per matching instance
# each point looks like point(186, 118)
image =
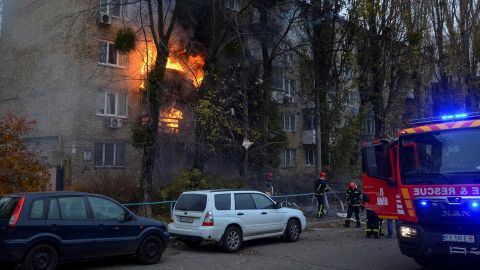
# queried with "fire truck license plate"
point(458, 238)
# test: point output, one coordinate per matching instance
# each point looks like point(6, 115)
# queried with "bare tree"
point(160, 20)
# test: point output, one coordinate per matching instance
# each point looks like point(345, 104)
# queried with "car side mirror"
point(126, 217)
point(391, 182)
point(278, 205)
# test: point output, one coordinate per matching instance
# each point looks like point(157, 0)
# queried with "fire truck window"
point(444, 157)
point(409, 160)
point(376, 161)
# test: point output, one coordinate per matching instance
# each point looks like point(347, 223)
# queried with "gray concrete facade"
point(50, 73)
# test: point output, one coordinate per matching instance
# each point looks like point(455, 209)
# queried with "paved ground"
point(325, 246)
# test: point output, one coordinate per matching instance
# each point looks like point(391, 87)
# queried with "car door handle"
point(116, 228)
point(53, 226)
point(239, 214)
point(264, 213)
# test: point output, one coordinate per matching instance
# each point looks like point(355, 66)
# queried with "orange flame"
point(170, 119)
point(190, 66)
point(148, 60)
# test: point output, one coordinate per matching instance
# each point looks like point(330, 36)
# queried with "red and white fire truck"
point(428, 179)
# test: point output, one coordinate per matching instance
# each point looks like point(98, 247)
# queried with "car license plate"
point(186, 219)
point(458, 238)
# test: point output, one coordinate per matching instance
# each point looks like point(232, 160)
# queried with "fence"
point(305, 202)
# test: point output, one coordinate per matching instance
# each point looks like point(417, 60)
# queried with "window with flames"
point(170, 120)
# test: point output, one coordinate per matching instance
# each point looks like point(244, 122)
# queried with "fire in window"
point(170, 120)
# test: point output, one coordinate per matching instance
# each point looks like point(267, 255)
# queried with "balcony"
point(309, 137)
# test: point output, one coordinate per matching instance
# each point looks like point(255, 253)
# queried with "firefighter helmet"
point(352, 185)
point(323, 175)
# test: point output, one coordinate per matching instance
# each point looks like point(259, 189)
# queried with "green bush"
point(125, 40)
point(193, 180)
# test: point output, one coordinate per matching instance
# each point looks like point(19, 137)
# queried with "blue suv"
point(42, 229)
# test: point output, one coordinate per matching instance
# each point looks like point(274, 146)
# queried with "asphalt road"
point(321, 247)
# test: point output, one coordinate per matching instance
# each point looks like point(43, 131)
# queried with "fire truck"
point(428, 180)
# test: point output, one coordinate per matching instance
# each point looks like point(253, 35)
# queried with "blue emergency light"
point(423, 203)
point(443, 118)
point(475, 204)
point(455, 116)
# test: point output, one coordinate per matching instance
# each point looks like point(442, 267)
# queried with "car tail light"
point(16, 213)
point(208, 220)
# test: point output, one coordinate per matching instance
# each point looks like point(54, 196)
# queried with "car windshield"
point(7, 206)
point(191, 202)
point(442, 157)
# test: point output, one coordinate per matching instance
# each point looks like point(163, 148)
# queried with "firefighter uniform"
point(374, 224)
point(354, 198)
point(321, 187)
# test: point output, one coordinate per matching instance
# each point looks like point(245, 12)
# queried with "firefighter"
point(374, 224)
point(320, 188)
point(269, 184)
point(354, 198)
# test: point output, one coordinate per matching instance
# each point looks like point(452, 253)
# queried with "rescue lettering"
point(430, 191)
point(446, 191)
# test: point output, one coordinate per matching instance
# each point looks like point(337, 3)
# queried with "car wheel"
point(292, 231)
point(41, 257)
point(232, 239)
point(150, 250)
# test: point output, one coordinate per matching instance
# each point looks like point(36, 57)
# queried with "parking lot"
point(327, 246)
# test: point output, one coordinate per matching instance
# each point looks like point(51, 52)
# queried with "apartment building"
point(59, 67)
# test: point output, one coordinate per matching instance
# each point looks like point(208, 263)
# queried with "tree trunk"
point(154, 91)
point(323, 50)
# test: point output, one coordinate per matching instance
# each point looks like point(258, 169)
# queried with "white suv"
point(229, 217)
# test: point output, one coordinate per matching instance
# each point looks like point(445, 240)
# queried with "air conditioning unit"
point(115, 123)
point(105, 18)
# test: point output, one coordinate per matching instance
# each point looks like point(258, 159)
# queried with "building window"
point(109, 154)
point(310, 157)
point(289, 122)
point(288, 157)
point(108, 55)
point(309, 122)
point(308, 118)
point(112, 7)
point(234, 4)
point(352, 102)
point(112, 104)
point(369, 126)
point(289, 90)
point(278, 78)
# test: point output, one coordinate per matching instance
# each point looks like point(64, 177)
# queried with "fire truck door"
point(379, 179)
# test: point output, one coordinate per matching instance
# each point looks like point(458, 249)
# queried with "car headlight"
point(408, 232)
